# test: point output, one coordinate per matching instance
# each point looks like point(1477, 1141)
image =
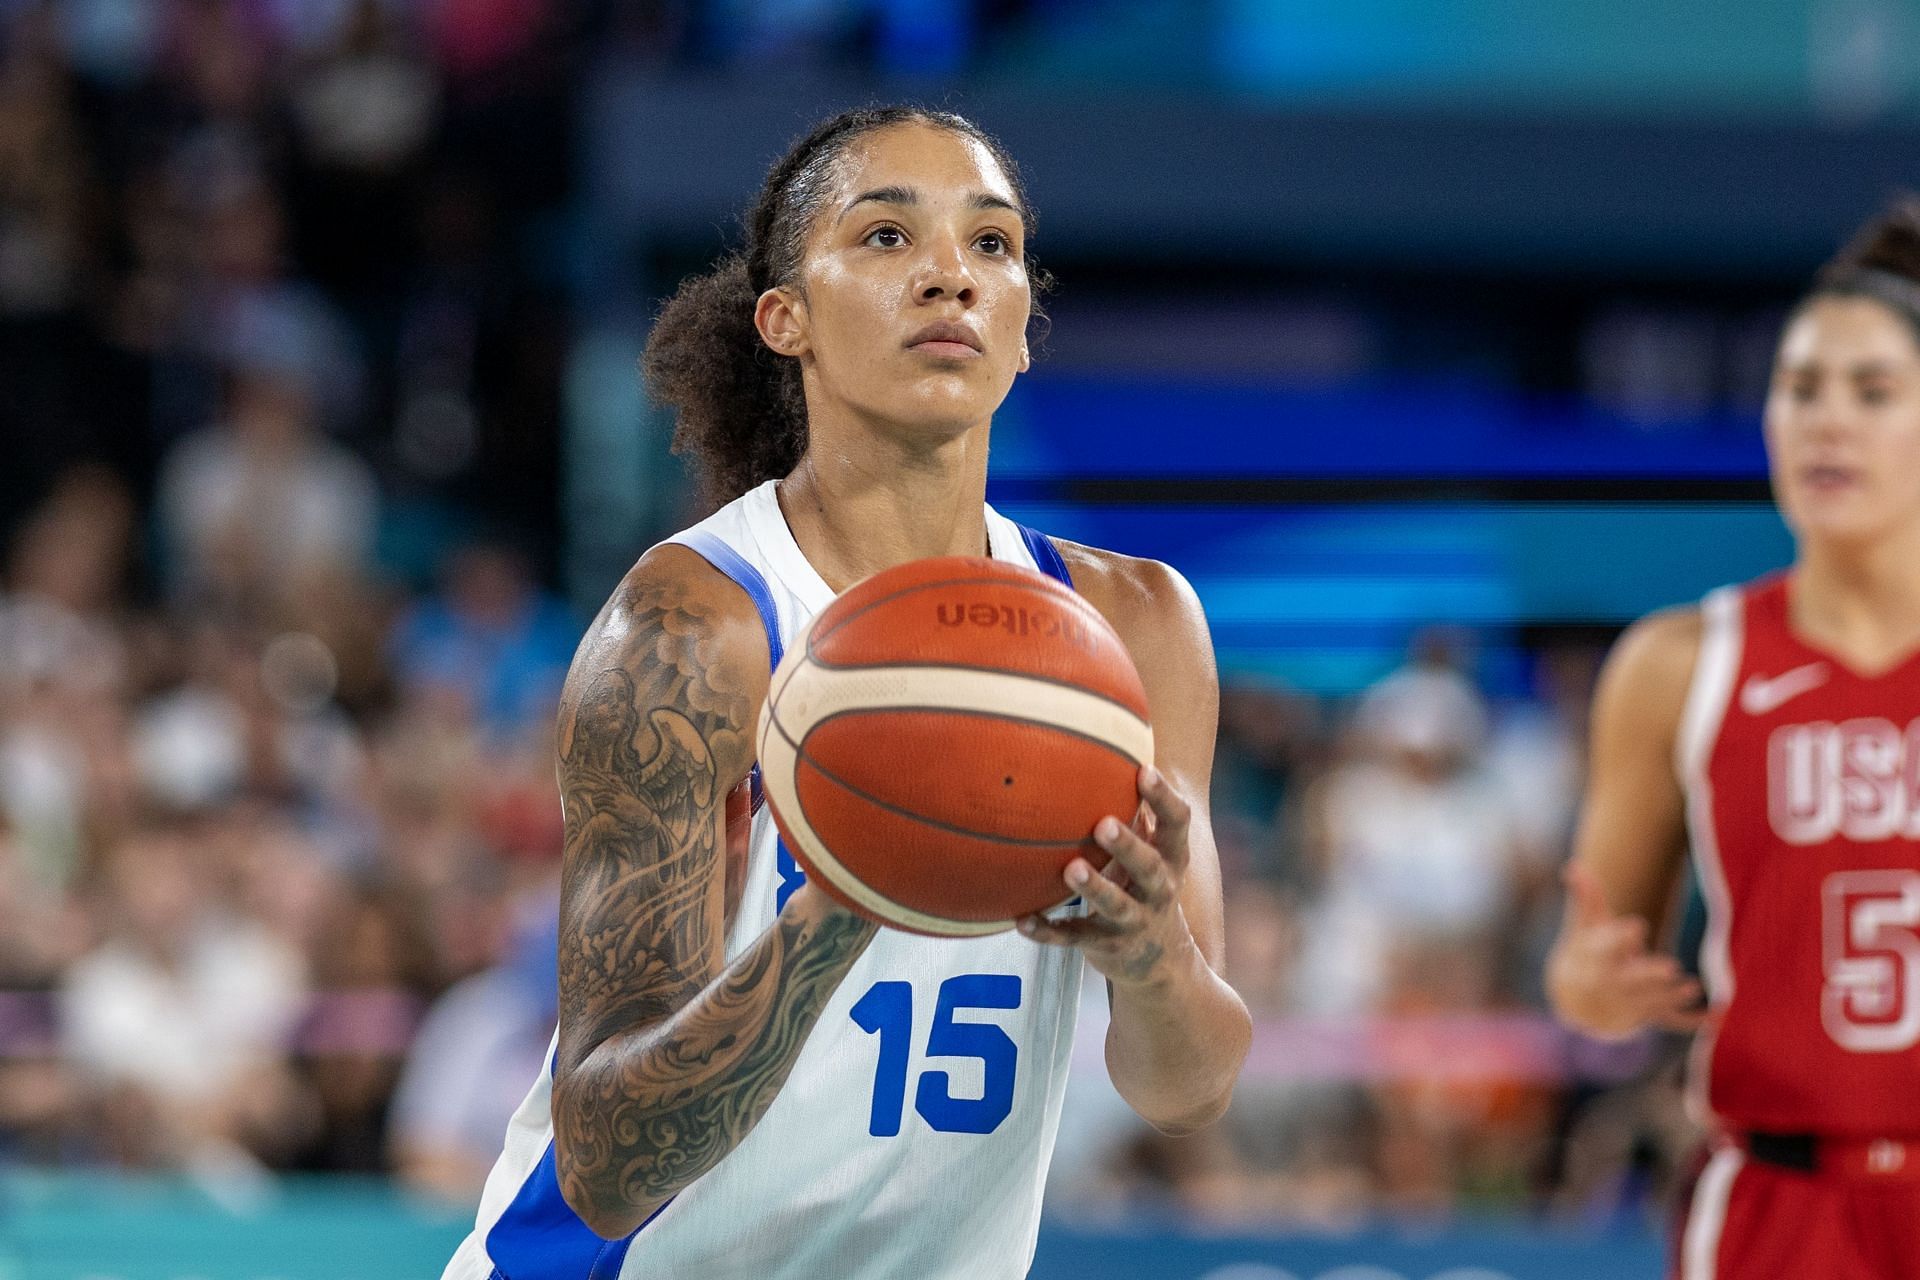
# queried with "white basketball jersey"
point(912, 1139)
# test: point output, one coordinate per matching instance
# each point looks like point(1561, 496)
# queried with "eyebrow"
point(909, 196)
point(1873, 368)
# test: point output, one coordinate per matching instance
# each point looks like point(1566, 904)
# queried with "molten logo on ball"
point(1017, 620)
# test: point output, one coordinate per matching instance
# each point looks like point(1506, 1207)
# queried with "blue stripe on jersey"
point(728, 561)
point(717, 553)
point(540, 1237)
point(1046, 555)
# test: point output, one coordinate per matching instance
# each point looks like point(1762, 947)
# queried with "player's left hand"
point(1133, 921)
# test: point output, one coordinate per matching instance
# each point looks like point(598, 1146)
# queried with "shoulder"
point(673, 599)
point(1158, 617)
point(675, 633)
point(1654, 657)
point(1643, 688)
point(1150, 604)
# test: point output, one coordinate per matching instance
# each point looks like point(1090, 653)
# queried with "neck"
point(1860, 600)
point(856, 508)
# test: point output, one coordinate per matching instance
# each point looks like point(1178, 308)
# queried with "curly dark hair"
point(742, 418)
point(1881, 261)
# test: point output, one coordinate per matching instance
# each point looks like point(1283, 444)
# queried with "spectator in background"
point(41, 932)
point(177, 1019)
point(467, 1069)
point(1538, 753)
point(368, 103)
point(1426, 869)
point(249, 719)
point(355, 1035)
point(43, 175)
point(491, 643)
point(62, 670)
point(1270, 738)
point(255, 504)
point(66, 577)
point(1538, 749)
point(1418, 849)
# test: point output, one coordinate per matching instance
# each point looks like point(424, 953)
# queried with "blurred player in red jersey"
point(1775, 729)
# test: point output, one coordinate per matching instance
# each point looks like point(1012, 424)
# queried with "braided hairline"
point(798, 186)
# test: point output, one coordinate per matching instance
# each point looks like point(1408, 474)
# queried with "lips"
point(946, 338)
point(1828, 477)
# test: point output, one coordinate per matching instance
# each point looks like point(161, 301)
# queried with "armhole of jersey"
point(714, 551)
point(1046, 556)
point(1714, 670)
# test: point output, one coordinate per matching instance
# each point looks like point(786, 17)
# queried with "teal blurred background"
point(358, 1229)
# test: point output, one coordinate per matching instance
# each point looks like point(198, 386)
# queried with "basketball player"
point(1776, 729)
point(748, 1081)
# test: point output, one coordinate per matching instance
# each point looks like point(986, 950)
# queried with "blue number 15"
point(887, 1009)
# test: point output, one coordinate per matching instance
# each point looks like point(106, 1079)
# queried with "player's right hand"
point(1602, 978)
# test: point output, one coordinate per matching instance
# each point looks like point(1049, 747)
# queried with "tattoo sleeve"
point(667, 1059)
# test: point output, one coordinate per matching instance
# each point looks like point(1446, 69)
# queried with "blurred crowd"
point(242, 848)
point(280, 350)
point(1392, 870)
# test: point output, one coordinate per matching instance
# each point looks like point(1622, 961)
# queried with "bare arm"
point(667, 1058)
point(1179, 1033)
point(1603, 976)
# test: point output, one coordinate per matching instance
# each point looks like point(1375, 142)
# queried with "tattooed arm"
point(667, 1056)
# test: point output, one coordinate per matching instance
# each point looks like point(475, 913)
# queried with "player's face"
point(913, 299)
point(1843, 421)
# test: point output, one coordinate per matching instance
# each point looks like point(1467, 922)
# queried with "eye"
point(885, 238)
point(993, 242)
point(1875, 396)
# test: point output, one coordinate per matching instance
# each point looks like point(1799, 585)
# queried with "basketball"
point(938, 744)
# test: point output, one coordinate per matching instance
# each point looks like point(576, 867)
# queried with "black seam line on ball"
point(935, 823)
point(801, 756)
point(800, 748)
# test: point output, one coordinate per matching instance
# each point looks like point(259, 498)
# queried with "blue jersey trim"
point(717, 553)
point(1045, 555)
point(540, 1237)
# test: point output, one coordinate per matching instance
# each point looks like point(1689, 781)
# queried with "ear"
point(1026, 361)
point(781, 317)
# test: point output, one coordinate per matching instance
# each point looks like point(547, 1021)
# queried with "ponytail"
point(1881, 262)
point(741, 417)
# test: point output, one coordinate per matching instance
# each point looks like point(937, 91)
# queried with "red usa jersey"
point(1802, 780)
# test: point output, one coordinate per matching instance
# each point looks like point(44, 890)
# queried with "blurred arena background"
point(1426, 336)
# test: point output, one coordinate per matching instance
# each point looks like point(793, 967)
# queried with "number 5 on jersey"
point(1871, 938)
point(887, 1010)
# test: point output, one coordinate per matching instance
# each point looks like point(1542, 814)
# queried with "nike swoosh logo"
point(1758, 695)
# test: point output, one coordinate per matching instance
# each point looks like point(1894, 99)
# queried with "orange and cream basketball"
point(939, 742)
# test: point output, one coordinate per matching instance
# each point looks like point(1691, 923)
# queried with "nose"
point(942, 272)
point(1827, 420)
